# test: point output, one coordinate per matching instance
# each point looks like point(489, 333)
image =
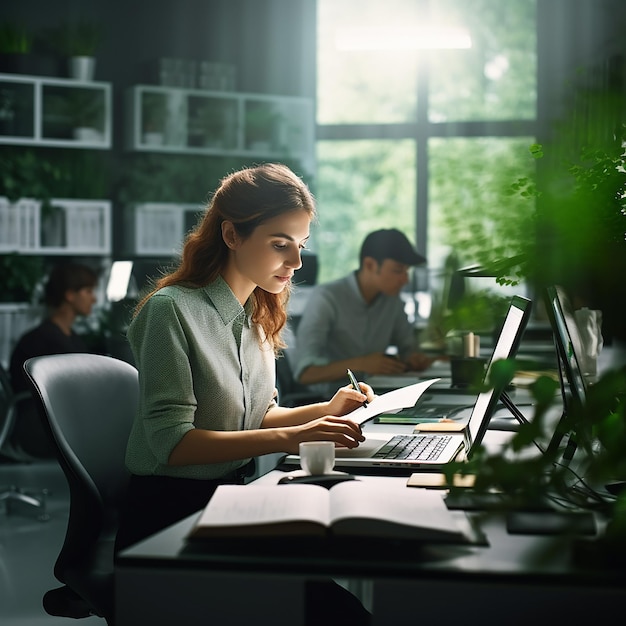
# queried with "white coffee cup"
point(317, 457)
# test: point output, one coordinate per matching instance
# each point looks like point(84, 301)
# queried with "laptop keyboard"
point(413, 447)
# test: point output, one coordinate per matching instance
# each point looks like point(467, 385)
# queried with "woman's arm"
point(343, 402)
point(199, 446)
point(282, 430)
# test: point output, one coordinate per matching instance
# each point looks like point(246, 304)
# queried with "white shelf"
point(69, 227)
point(158, 229)
point(193, 121)
point(57, 112)
point(15, 319)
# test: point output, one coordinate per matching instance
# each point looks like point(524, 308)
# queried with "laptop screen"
point(505, 348)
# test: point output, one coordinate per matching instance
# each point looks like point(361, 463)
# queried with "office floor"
point(28, 547)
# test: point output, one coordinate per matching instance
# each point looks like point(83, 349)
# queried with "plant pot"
point(153, 139)
point(85, 134)
point(82, 68)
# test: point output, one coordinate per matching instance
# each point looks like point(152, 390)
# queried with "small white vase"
point(82, 68)
point(84, 134)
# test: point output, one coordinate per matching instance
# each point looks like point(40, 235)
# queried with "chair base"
point(16, 500)
point(63, 602)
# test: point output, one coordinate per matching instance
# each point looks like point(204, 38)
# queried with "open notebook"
point(442, 448)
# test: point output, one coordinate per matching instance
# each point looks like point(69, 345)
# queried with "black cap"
point(390, 244)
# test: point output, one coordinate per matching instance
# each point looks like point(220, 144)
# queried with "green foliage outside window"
point(482, 200)
point(366, 186)
point(374, 94)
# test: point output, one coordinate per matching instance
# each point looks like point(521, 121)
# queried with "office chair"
point(290, 392)
point(87, 403)
point(13, 496)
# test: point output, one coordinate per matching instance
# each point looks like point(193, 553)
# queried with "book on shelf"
point(350, 508)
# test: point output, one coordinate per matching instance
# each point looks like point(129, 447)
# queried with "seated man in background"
point(353, 321)
point(69, 293)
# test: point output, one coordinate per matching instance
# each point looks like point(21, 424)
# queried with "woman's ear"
point(229, 234)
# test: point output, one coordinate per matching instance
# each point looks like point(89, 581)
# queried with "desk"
point(517, 579)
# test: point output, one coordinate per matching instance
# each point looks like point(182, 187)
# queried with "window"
point(365, 181)
point(361, 86)
point(423, 140)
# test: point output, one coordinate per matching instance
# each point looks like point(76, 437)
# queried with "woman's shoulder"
point(178, 293)
point(176, 297)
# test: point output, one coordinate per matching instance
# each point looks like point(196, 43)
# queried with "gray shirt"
point(337, 323)
point(201, 364)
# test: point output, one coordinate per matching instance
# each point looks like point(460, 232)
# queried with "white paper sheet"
point(394, 400)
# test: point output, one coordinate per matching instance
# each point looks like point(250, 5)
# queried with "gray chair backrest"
point(89, 402)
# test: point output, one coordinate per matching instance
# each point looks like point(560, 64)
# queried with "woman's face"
point(269, 257)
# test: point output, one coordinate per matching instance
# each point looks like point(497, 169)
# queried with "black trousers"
point(156, 502)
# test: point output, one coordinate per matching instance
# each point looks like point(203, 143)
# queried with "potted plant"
point(153, 117)
point(78, 43)
point(261, 122)
point(16, 46)
point(77, 113)
point(24, 179)
point(14, 39)
point(573, 233)
point(19, 276)
point(213, 124)
point(22, 183)
point(525, 480)
point(86, 111)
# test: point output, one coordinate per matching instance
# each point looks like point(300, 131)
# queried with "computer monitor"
point(128, 280)
point(568, 346)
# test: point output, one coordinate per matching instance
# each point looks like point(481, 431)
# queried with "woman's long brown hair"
point(247, 198)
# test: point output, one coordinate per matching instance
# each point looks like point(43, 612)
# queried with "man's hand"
point(418, 361)
point(379, 363)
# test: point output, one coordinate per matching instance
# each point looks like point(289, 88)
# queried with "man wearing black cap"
point(351, 322)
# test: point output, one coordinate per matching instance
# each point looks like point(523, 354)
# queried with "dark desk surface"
point(516, 578)
point(515, 556)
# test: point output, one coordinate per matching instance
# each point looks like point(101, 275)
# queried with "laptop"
point(438, 449)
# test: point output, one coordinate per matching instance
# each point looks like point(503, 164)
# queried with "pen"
point(355, 384)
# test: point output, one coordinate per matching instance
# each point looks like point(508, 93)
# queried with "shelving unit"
point(69, 227)
point(158, 229)
point(45, 111)
point(15, 319)
point(166, 119)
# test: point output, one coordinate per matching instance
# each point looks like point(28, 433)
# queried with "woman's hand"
point(343, 432)
point(348, 398)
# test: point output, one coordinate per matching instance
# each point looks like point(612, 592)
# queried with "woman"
point(205, 341)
